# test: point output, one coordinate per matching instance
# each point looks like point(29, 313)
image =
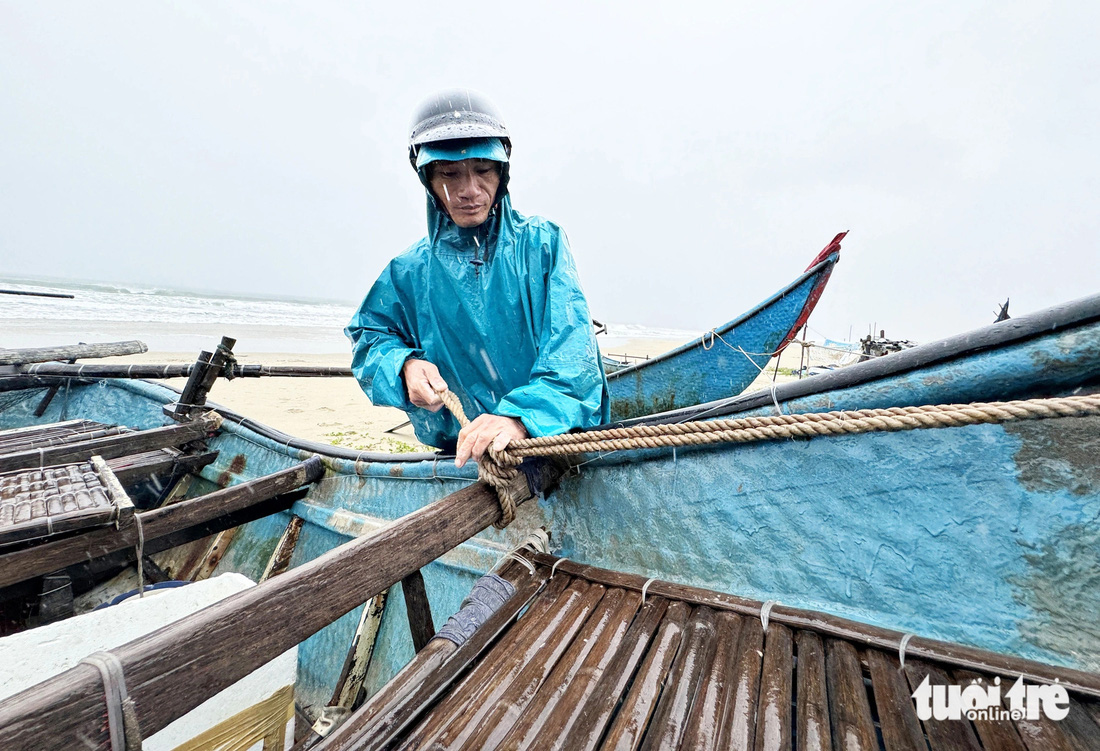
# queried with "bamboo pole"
point(61, 295)
point(70, 352)
point(149, 371)
point(176, 668)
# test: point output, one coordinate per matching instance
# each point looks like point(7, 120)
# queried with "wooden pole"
point(176, 668)
point(70, 352)
point(51, 556)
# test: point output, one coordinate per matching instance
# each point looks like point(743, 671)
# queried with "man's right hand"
point(422, 381)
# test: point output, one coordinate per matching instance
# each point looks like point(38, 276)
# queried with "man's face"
point(466, 189)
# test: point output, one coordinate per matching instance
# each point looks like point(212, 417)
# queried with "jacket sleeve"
point(568, 388)
point(381, 342)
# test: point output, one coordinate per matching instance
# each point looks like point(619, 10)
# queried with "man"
point(488, 304)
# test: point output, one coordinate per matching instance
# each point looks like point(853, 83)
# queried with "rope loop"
point(122, 722)
point(509, 483)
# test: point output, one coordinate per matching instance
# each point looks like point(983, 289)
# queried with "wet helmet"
point(453, 114)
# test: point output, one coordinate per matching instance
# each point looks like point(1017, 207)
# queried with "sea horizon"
point(187, 319)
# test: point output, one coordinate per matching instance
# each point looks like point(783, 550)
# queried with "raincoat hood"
point(442, 231)
point(499, 310)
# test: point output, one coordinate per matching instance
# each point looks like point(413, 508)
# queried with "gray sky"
point(697, 154)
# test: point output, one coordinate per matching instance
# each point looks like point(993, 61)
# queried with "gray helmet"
point(456, 113)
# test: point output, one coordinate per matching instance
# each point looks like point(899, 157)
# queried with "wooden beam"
point(70, 352)
point(214, 554)
point(354, 672)
point(176, 668)
point(112, 446)
point(51, 556)
point(279, 561)
point(133, 468)
point(418, 609)
point(86, 573)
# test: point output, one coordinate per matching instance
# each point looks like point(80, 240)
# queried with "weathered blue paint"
point(986, 535)
point(724, 362)
point(926, 531)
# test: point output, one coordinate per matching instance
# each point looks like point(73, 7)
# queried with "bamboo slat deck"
point(43, 502)
point(588, 665)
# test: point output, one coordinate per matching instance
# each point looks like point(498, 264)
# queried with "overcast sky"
point(697, 154)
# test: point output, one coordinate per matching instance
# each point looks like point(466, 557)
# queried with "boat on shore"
point(726, 359)
point(983, 534)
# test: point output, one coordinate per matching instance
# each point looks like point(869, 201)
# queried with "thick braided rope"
point(510, 485)
point(808, 425)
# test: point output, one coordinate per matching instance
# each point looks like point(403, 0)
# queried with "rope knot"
point(493, 469)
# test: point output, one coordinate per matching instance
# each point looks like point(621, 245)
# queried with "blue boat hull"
point(725, 361)
point(986, 535)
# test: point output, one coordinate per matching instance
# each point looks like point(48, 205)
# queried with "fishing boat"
point(979, 533)
point(726, 359)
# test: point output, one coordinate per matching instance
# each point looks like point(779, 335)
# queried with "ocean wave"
point(103, 302)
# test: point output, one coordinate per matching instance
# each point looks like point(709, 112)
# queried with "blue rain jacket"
point(499, 310)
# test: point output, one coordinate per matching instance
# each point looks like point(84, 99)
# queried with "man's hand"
point(486, 429)
point(422, 381)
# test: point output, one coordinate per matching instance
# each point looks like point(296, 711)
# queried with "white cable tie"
point(517, 557)
point(130, 371)
point(554, 568)
point(645, 587)
point(901, 648)
point(765, 612)
point(41, 458)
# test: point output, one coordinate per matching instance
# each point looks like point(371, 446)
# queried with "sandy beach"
point(336, 411)
point(329, 410)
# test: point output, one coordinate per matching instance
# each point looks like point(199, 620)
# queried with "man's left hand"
point(484, 430)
